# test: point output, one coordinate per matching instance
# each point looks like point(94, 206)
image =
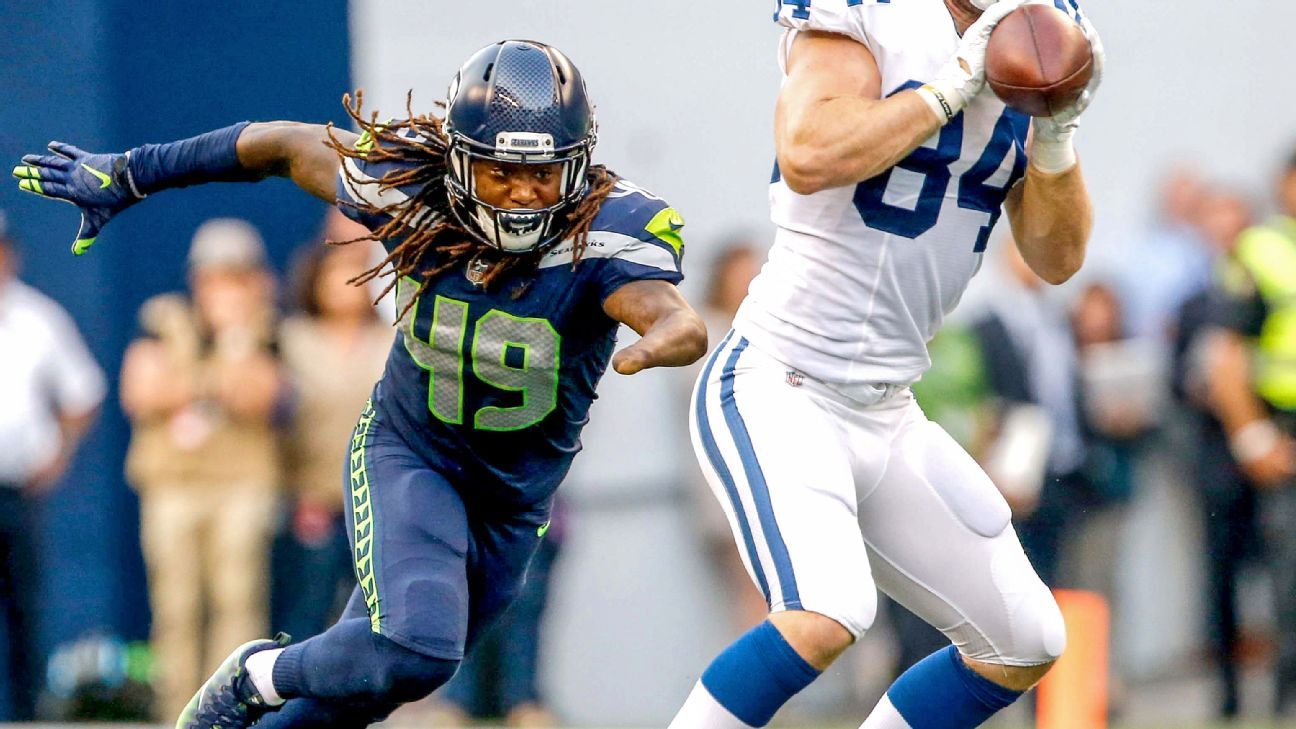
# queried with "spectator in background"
point(1120, 390)
point(333, 351)
point(1122, 395)
point(1228, 501)
point(1252, 386)
point(733, 268)
point(1038, 458)
point(203, 390)
point(50, 392)
point(1171, 262)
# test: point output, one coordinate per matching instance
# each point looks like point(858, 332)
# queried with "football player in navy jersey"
point(514, 261)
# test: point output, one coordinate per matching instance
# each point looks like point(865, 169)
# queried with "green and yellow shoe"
point(228, 700)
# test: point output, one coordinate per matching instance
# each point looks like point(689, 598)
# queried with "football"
point(1038, 60)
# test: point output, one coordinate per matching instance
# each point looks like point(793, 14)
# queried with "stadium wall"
point(108, 75)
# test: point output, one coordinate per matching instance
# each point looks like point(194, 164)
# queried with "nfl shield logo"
point(476, 270)
point(794, 378)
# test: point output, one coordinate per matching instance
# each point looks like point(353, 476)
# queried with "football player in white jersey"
point(894, 163)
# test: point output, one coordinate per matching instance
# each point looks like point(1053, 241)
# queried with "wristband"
point(938, 101)
point(1053, 155)
point(210, 157)
point(1254, 440)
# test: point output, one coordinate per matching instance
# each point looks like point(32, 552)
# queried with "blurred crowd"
point(241, 395)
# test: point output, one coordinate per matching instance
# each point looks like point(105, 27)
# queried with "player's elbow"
point(805, 169)
point(1055, 259)
point(1059, 269)
point(695, 340)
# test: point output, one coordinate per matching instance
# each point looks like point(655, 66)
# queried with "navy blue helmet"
point(521, 102)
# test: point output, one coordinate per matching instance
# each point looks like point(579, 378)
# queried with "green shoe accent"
point(103, 178)
point(544, 529)
point(81, 245)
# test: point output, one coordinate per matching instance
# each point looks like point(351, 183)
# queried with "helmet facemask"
point(518, 230)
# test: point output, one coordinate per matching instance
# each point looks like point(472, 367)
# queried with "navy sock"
point(757, 674)
point(941, 692)
point(349, 661)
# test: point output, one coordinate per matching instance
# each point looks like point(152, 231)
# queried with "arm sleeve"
point(654, 251)
point(843, 17)
point(645, 261)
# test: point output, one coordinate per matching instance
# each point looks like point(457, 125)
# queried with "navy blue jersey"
point(493, 390)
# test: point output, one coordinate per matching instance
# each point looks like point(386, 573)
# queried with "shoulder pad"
point(831, 16)
point(633, 211)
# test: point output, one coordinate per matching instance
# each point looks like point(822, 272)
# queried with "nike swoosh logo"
point(103, 178)
point(543, 528)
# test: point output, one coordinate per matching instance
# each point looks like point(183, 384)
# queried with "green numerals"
point(536, 378)
point(533, 372)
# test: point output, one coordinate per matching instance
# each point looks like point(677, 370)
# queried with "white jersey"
point(860, 277)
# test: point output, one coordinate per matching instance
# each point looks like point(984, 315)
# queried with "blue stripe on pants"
point(756, 481)
point(722, 469)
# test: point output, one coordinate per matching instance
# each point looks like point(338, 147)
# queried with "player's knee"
point(1015, 678)
point(404, 675)
point(849, 605)
point(817, 638)
point(1039, 631)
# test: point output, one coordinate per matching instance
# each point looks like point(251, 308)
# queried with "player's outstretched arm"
point(671, 332)
point(294, 150)
point(833, 128)
point(103, 185)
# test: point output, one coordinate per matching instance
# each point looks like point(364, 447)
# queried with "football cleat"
point(228, 700)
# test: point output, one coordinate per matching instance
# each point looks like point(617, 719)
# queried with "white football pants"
point(828, 495)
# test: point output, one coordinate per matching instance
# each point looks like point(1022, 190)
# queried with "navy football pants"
point(434, 570)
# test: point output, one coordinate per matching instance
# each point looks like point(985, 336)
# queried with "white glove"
point(963, 76)
point(1065, 121)
point(1051, 145)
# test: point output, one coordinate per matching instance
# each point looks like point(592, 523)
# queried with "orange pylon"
point(1074, 694)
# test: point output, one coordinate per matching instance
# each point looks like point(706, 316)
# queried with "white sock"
point(702, 711)
point(260, 668)
point(885, 716)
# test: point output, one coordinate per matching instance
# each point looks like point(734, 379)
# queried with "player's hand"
point(98, 184)
point(1063, 124)
point(964, 76)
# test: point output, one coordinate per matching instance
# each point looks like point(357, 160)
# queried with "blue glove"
point(99, 184)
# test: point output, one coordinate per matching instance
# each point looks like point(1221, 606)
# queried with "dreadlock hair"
point(430, 238)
